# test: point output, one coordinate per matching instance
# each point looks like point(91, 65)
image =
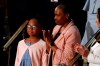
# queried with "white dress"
point(94, 55)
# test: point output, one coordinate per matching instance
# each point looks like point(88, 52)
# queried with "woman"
point(93, 56)
point(64, 36)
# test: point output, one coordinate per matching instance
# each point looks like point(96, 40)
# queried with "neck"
point(65, 24)
point(34, 37)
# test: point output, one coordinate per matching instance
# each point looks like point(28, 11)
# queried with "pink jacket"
point(37, 52)
point(65, 43)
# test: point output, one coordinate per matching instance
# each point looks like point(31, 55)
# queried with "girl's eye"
point(33, 27)
point(28, 26)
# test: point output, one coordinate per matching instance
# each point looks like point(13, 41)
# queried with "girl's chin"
point(31, 34)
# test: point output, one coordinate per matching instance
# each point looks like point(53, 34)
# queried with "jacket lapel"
point(62, 34)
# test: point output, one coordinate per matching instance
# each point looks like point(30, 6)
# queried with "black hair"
point(39, 21)
point(64, 7)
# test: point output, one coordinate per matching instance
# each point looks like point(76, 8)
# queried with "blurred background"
point(14, 12)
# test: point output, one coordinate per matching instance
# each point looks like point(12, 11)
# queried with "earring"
point(67, 16)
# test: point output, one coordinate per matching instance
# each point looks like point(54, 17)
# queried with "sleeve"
point(17, 59)
point(86, 6)
point(93, 58)
point(45, 57)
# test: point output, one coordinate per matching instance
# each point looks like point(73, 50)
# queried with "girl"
point(31, 51)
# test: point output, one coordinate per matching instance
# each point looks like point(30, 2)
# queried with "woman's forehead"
point(58, 10)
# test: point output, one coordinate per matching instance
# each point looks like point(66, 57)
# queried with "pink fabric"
point(65, 43)
point(37, 52)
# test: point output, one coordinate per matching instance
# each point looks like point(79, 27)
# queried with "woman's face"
point(33, 28)
point(97, 21)
point(60, 16)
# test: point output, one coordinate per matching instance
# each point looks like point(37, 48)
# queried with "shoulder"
point(56, 27)
point(21, 42)
point(72, 31)
point(42, 42)
point(72, 28)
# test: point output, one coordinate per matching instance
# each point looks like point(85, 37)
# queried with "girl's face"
point(97, 21)
point(33, 28)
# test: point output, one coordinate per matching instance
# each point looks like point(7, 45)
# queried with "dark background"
point(20, 10)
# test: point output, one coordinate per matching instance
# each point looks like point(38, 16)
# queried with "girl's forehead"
point(33, 21)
